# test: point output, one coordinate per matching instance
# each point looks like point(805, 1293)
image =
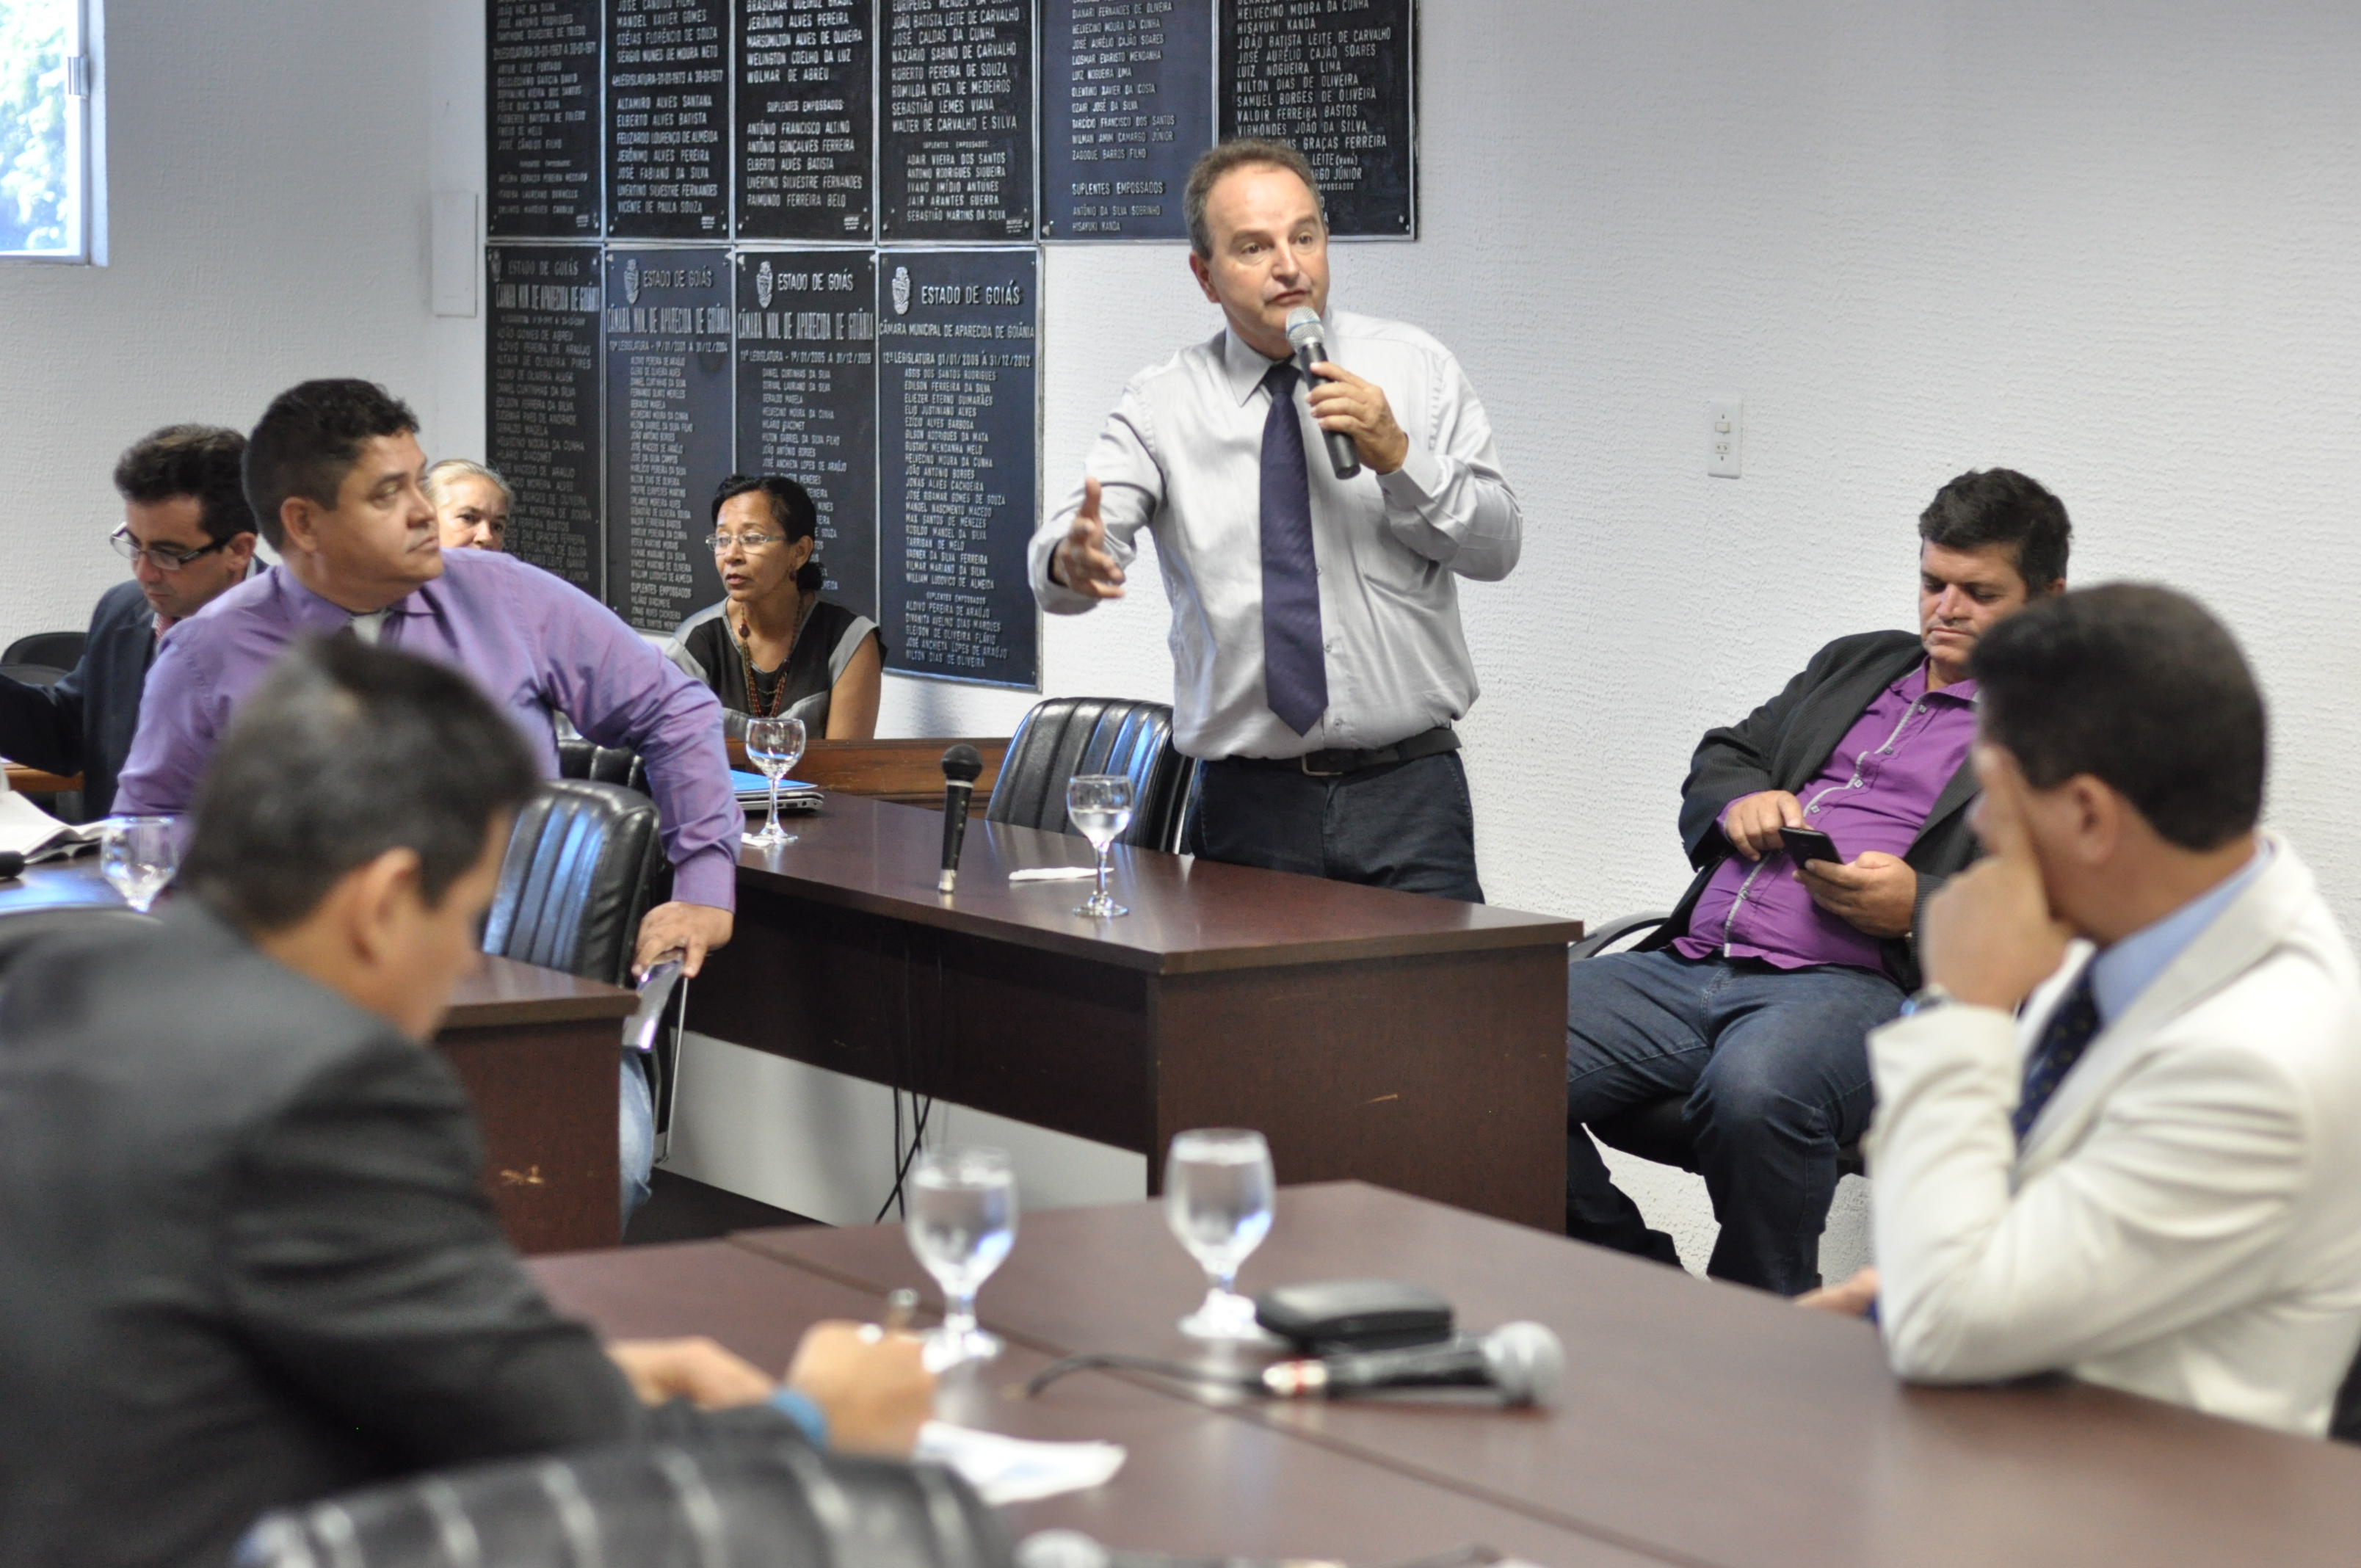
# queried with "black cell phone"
point(1809, 844)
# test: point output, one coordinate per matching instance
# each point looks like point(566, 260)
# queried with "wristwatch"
point(1925, 999)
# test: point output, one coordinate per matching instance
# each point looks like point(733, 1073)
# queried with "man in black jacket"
point(245, 1257)
point(189, 534)
point(1754, 1000)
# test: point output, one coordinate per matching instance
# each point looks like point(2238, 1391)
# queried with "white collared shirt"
point(1182, 456)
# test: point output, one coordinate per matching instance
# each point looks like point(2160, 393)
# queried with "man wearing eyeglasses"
point(189, 535)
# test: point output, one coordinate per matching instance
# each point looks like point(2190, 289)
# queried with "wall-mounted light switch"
point(1725, 438)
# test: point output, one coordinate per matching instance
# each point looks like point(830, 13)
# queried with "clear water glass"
point(138, 855)
point(1100, 806)
point(963, 1220)
point(1218, 1193)
point(775, 746)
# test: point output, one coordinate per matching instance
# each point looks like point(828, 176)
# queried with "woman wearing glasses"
point(773, 647)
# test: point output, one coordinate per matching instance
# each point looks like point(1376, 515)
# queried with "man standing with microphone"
point(1318, 666)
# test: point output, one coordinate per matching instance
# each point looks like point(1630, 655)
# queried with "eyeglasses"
point(163, 557)
point(718, 543)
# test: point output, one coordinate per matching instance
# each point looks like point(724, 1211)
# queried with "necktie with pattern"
point(1294, 666)
point(2071, 1028)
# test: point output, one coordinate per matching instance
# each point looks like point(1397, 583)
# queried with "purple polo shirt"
point(1874, 792)
point(535, 644)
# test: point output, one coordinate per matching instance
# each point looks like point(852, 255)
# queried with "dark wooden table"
point(1197, 1480)
point(537, 1050)
point(1698, 1422)
point(1417, 1042)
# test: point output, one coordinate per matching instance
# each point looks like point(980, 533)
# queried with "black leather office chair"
point(580, 758)
point(1656, 1129)
point(28, 929)
point(58, 650)
point(752, 1504)
point(32, 673)
point(582, 863)
point(1070, 735)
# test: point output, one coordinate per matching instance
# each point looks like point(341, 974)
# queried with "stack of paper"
point(35, 834)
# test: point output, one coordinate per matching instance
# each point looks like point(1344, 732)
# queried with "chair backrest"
point(58, 650)
point(580, 758)
point(736, 1500)
point(580, 865)
point(32, 674)
point(1070, 735)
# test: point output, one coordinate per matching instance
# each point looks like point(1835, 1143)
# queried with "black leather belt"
point(1336, 762)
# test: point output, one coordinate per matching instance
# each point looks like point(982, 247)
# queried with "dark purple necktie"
point(1294, 668)
point(2064, 1039)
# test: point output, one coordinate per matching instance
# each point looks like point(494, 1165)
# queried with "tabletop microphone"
point(1522, 1361)
point(962, 765)
point(1303, 330)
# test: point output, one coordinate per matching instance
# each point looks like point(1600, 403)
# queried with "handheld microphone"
point(962, 766)
point(1304, 331)
point(1520, 1360)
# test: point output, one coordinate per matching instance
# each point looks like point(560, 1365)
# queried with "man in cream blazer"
point(2152, 1178)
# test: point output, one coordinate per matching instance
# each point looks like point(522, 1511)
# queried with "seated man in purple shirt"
point(1754, 998)
point(335, 477)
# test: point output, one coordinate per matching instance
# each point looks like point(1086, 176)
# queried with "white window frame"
point(85, 144)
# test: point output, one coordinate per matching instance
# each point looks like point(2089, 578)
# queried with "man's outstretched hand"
point(1082, 561)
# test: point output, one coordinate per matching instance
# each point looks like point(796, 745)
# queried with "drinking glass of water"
point(963, 1220)
point(775, 746)
point(139, 855)
point(1100, 805)
point(1217, 1199)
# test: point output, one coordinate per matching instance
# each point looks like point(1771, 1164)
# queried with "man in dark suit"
point(245, 1257)
point(189, 534)
point(1756, 998)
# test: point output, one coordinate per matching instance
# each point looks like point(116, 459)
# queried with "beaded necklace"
point(757, 706)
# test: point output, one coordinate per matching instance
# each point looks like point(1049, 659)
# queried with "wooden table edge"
point(1526, 931)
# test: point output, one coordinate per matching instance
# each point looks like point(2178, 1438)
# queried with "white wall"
point(268, 192)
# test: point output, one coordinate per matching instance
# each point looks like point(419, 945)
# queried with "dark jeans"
point(1775, 1064)
point(1406, 825)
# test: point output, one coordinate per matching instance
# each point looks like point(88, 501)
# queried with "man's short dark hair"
point(308, 440)
point(1240, 153)
point(2001, 506)
point(2139, 687)
point(344, 752)
point(792, 508)
point(198, 460)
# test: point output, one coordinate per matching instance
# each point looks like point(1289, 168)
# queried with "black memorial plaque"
point(805, 75)
point(958, 390)
point(668, 429)
point(807, 398)
point(1126, 106)
point(955, 145)
point(542, 113)
point(1339, 81)
point(669, 119)
point(541, 400)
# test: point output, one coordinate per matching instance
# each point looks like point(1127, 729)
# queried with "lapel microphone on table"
point(1303, 332)
point(962, 765)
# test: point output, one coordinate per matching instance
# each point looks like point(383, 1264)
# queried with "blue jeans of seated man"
point(638, 1152)
point(1775, 1064)
point(1406, 825)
